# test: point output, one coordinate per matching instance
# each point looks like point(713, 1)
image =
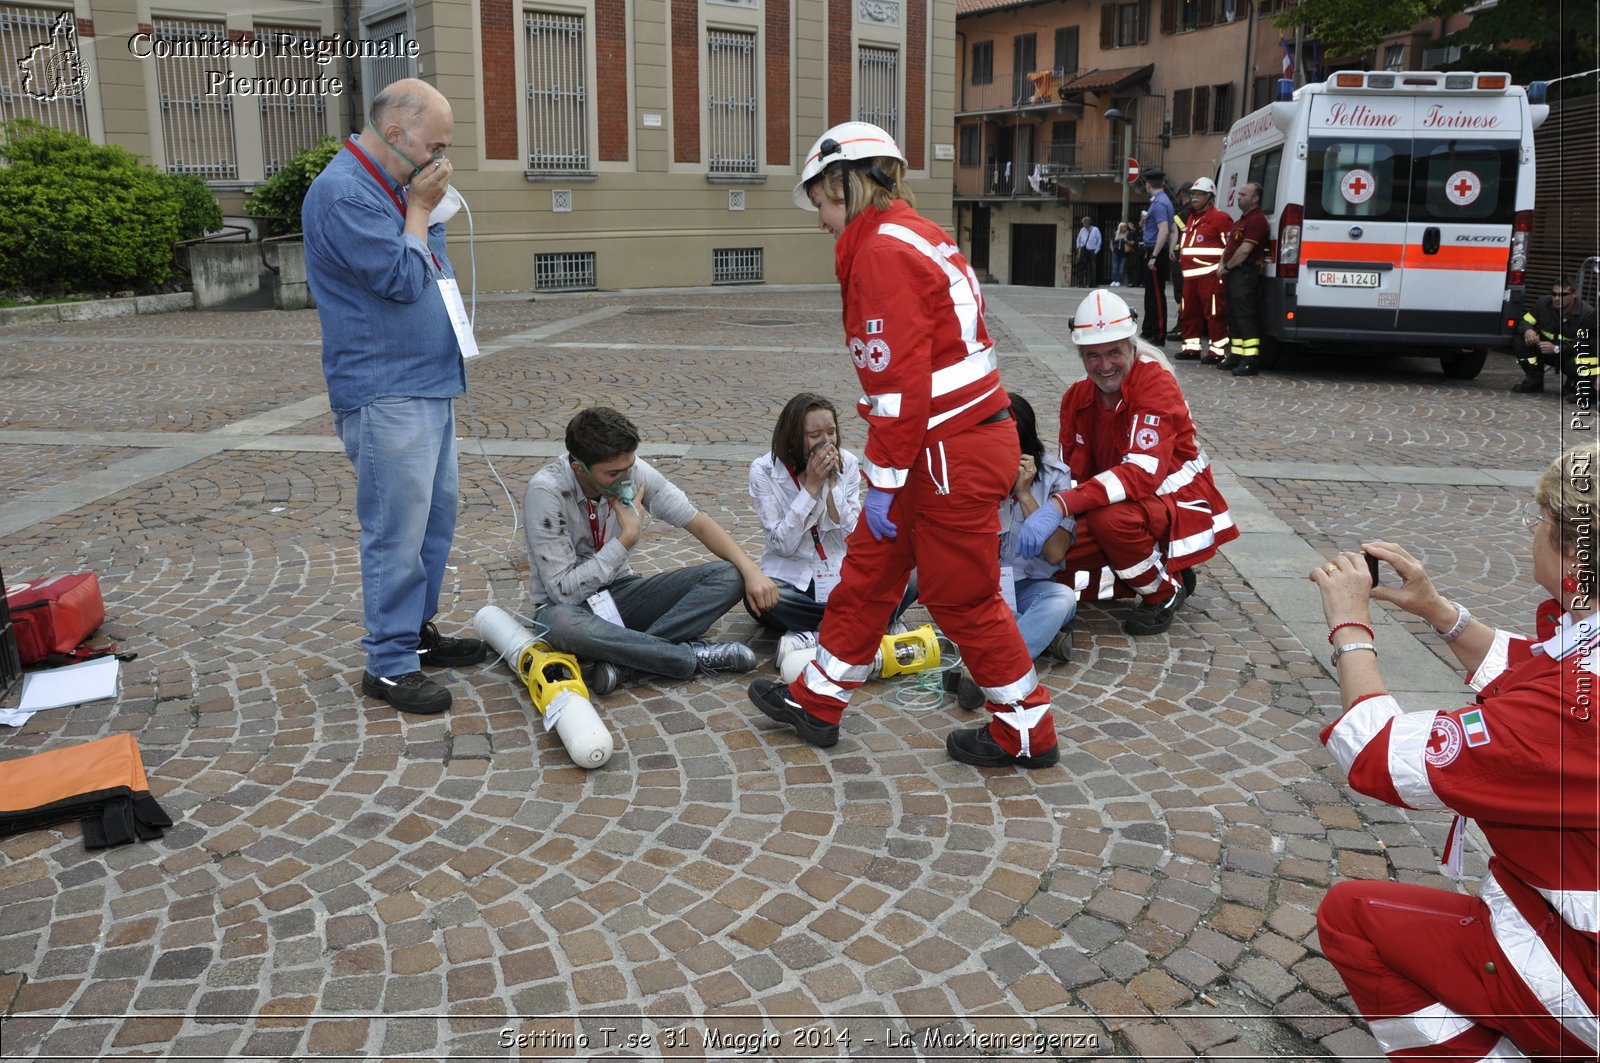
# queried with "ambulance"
point(1400, 203)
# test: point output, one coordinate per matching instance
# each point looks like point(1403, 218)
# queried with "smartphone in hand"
point(1372, 566)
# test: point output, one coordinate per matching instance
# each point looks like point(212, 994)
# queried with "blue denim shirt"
point(384, 326)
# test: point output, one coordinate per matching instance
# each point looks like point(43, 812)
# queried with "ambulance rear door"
point(1358, 176)
point(1464, 173)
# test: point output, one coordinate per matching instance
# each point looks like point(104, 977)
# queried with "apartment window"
point(1265, 91)
point(563, 271)
point(1201, 111)
point(558, 117)
point(1067, 50)
point(1394, 57)
point(290, 122)
point(983, 62)
point(196, 122)
point(1124, 25)
point(1024, 61)
point(879, 78)
point(380, 73)
point(1434, 58)
point(1182, 104)
point(736, 265)
point(1221, 108)
point(731, 79)
point(1063, 145)
point(970, 136)
point(41, 76)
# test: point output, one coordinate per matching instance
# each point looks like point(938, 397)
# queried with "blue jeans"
point(404, 453)
point(662, 612)
point(1044, 608)
point(797, 610)
point(1119, 267)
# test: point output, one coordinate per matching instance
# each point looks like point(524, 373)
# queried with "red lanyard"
point(378, 176)
point(597, 531)
point(816, 539)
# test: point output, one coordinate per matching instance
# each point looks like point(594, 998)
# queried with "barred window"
point(380, 73)
point(879, 77)
point(291, 120)
point(564, 271)
point(196, 120)
point(731, 79)
point(558, 96)
point(736, 265)
point(41, 70)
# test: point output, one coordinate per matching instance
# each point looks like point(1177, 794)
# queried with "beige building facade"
point(1055, 97)
point(605, 144)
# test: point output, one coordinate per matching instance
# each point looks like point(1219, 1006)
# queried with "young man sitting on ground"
point(584, 516)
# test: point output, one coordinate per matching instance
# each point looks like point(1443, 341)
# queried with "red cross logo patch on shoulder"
point(1444, 742)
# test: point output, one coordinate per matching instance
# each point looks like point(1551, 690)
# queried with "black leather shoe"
point(977, 747)
point(772, 698)
point(1147, 619)
point(1247, 367)
point(1233, 361)
point(412, 692)
point(1529, 385)
point(1186, 356)
point(441, 651)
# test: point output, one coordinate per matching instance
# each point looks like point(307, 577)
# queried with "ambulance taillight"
point(1289, 241)
point(1521, 226)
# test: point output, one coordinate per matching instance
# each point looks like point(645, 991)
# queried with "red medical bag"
point(53, 617)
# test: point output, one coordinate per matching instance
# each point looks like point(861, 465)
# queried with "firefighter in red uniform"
point(1146, 506)
point(941, 456)
point(1511, 973)
point(1203, 312)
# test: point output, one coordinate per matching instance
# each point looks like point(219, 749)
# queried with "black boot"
point(1532, 380)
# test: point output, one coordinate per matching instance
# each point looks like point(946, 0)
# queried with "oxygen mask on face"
point(621, 489)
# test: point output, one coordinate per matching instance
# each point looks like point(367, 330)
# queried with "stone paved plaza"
point(344, 882)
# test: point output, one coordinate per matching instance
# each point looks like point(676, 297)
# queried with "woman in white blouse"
point(807, 491)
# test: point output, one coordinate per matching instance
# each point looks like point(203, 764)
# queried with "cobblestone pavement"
point(345, 882)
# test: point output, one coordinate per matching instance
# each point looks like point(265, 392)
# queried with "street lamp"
point(1116, 118)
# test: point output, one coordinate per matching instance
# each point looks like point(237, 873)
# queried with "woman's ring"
point(1330, 568)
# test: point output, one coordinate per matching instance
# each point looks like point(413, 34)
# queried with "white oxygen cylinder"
point(503, 634)
point(579, 728)
point(796, 662)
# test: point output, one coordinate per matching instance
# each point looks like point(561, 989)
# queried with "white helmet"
point(845, 142)
point(1101, 318)
point(1204, 184)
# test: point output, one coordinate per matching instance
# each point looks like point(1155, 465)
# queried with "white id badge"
point(1008, 588)
point(605, 607)
point(450, 292)
point(825, 578)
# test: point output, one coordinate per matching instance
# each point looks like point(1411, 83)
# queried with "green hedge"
point(277, 202)
point(86, 217)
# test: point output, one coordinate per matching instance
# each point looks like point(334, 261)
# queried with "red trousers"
point(1122, 543)
point(1204, 313)
point(949, 526)
point(1402, 949)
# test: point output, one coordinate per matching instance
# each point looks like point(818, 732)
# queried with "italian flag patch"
point(1477, 732)
point(874, 326)
point(1151, 419)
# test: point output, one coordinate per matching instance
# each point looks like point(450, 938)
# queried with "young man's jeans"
point(404, 453)
point(1043, 608)
point(662, 613)
point(797, 610)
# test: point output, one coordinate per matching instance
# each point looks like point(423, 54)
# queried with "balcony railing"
point(1004, 92)
point(1044, 177)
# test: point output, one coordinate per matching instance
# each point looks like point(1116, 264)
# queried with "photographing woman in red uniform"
point(941, 456)
point(1514, 972)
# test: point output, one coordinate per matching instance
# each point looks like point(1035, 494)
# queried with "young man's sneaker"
point(792, 641)
point(1060, 647)
point(442, 651)
point(723, 657)
point(412, 692)
point(773, 699)
point(602, 677)
point(1147, 619)
point(977, 747)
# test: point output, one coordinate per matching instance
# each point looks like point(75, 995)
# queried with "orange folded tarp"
point(100, 782)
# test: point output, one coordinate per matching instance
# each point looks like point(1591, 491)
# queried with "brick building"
point(599, 143)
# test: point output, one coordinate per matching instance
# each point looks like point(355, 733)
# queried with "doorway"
point(1033, 255)
point(979, 259)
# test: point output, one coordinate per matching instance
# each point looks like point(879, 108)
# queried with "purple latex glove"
point(877, 508)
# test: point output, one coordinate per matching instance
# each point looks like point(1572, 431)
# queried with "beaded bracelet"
point(1342, 650)
point(1351, 623)
point(1463, 618)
